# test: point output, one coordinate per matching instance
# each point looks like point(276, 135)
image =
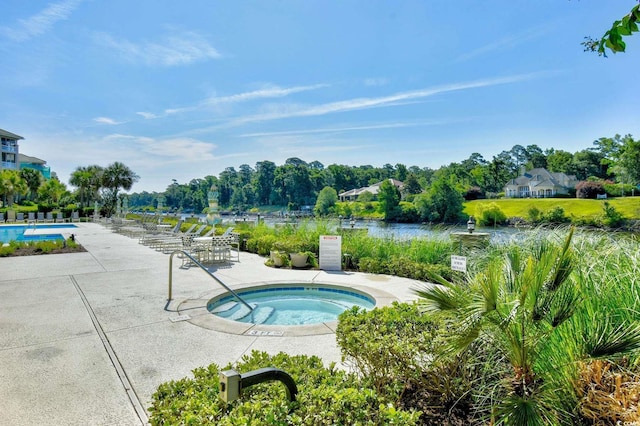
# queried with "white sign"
point(331, 252)
point(459, 263)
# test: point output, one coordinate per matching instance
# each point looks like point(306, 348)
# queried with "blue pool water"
point(16, 232)
point(289, 305)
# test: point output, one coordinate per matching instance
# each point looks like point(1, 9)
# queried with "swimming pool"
point(289, 305)
point(17, 232)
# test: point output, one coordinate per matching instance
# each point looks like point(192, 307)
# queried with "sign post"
point(331, 252)
point(459, 263)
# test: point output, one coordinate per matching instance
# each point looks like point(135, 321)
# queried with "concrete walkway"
point(86, 338)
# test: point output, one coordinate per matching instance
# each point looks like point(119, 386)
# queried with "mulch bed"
point(433, 413)
point(34, 251)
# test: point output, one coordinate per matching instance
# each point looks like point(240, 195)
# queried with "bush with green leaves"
point(618, 189)
point(388, 346)
point(490, 215)
point(8, 249)
point(326, 396)
point(556, 216)
point(611, 217)
point(404, 353)
point(403, 266)
point(261, 244)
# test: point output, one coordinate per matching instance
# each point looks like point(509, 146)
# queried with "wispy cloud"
point(266, 92)
point(174, 50)
point(375, 81)
point(165, 151)
point(106, 120)
point(508, 42)
point(383, 101)
point(41, 22)
point(147, 115)
point(345, 129)
point(270, 91)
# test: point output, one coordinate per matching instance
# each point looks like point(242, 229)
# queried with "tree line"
point(427, 194)
point(297, 184)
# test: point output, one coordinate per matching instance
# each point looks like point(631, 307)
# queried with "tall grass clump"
point(415, 258)
point(606, 382)
point(556, 307)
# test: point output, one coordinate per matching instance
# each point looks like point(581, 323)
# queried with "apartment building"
point(10, 150)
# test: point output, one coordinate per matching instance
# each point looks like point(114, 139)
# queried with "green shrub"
point(7, 250)
point(326, 396)
point(403, 266)
point(261, 245)
point(388, 346)
point(618, 190)
point(556, 215)
point(534, 215)
point(404, 353)
point(490, 215)
point(47, 246)
point(611, 217)
point(407, 213)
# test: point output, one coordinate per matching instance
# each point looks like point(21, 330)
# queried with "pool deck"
point(86, 338)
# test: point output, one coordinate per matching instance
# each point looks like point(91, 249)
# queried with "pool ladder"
point(197, 263)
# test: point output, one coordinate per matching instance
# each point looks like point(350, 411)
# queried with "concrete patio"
point(86, 338)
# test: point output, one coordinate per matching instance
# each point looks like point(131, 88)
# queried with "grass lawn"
point(573, 207)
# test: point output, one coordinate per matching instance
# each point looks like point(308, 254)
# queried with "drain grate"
point(180, 318)
point(264, 333)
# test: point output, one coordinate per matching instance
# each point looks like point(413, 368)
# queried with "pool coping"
point(195, 311)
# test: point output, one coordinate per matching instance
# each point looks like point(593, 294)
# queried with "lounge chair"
point(75, 216)
point(31, 217)
point(234, 245)
point(20, 217)
point(180, 241)
point(156, 239)
point(2, 217)
point(49, 217)
point(201, 250)
point(60, 217)
point(11, 216)
point(40, 217)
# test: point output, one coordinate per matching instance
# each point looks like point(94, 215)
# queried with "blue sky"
point(181, 90)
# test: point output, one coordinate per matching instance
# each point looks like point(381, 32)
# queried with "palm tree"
point(114, 177)
point(33, 179)
point(51, 192)
point(12, 184)
point(523, 304)
point(88, 180)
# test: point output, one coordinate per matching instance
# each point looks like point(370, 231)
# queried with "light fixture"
point(471, 224)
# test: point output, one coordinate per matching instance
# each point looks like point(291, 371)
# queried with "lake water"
point(400, 231)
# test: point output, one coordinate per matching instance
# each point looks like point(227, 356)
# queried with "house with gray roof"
point(352, 194)
point(540, 183)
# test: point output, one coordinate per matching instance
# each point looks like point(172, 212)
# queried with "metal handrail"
point(207, 271)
